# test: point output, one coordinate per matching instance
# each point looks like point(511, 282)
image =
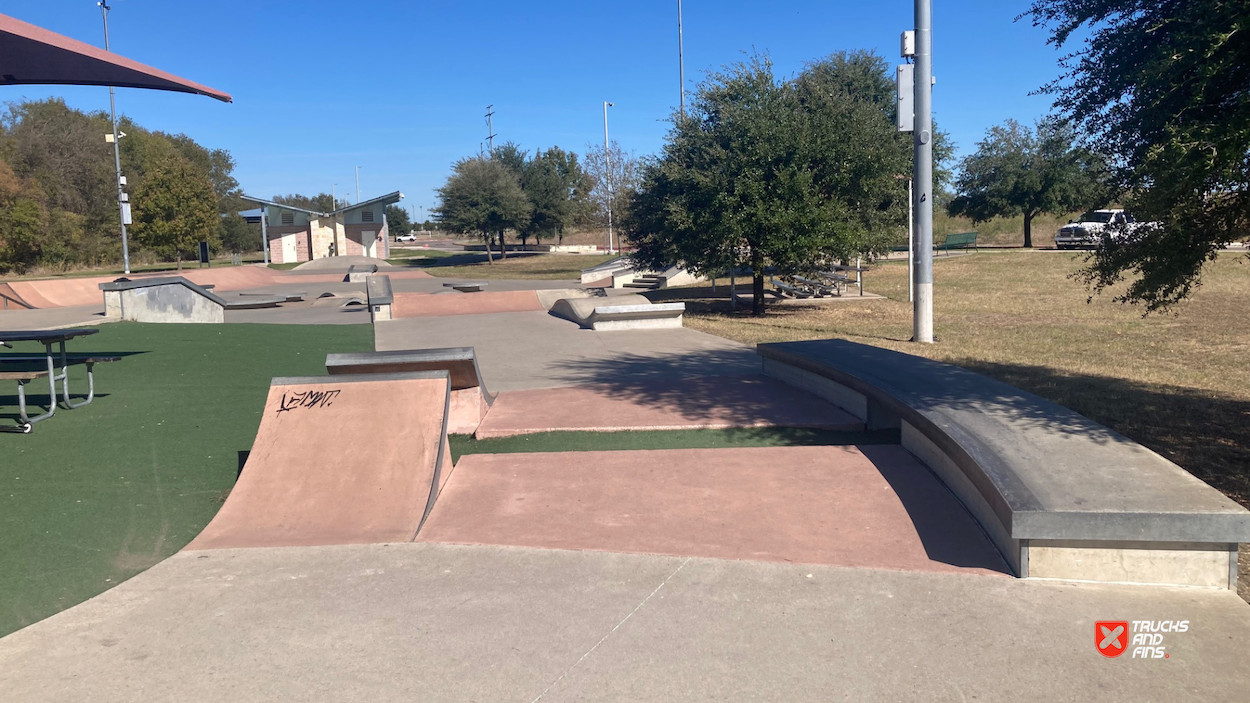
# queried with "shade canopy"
point(30, 55)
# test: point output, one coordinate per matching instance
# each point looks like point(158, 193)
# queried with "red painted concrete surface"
point(70, 292)
point(670, 404)
point(875, 507)
point(352, 467)
point(486, 302)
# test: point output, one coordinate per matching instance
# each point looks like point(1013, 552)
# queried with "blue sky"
point(400, 88)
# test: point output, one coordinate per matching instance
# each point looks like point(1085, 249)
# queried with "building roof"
point(270, 203)
point(32, 55)
point(387, 199)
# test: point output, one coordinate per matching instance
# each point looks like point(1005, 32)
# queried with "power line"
point(490, 128)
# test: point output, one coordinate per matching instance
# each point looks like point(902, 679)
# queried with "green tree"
point(175, 208)
point(1020, 171)
point(397, 220)
point(1161, 89)
point(237, 236)
point(762, 173)
point(484, 198)
point(557, 187)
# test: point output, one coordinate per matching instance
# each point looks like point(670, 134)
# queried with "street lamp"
point(922, 324)
point(607, 158)
point(123, 206)
point(357, 185)
point(681, 62)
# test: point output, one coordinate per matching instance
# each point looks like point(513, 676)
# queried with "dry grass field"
point(1176, 383)
point(518, 265)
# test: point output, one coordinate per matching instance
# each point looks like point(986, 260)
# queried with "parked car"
point(410, 237)
point(1087, 230)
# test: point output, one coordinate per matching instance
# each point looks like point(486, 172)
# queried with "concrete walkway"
point(432, 623)
point(537, 350)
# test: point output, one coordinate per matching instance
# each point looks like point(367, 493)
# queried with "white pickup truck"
point(1085, 232)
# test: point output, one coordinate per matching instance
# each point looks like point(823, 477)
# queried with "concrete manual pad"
point(871, 507)
point(305, 483)
point(442, 623)
point(674, 404)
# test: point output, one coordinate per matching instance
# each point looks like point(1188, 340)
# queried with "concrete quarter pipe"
point(351, 459)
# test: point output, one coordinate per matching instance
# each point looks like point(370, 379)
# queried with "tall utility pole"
point(922, 331)
point(334, 198)
point(681, 62)
point(490, 129)
point(357, 185)
point(117, 150)
point(607, 159)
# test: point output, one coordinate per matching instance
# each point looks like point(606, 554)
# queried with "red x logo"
point(1111, 637)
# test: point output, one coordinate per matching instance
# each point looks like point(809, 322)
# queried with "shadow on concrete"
point(701, 385)
point(468, 258)
point(946, 529)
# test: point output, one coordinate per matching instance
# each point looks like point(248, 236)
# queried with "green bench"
point(962, 240)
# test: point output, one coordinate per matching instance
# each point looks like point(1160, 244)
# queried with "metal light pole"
point(334, 198)
point(357, 185)
point(922, 331)
point(264, 232)
point(607, 157)
point(681, 61)
point(117, 151)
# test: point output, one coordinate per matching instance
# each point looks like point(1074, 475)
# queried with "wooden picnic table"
point(48, 338)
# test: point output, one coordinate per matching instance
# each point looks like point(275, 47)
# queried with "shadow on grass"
point(1202, 431)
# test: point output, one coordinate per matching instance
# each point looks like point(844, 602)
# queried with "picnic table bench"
point(962, 240)
point(784, 289)
point(843, 273)
point(11, 370)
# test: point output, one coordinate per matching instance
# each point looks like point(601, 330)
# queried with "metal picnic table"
point(48, 338)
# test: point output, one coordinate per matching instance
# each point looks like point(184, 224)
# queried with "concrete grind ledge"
point(173, 299)
point(1060, 495)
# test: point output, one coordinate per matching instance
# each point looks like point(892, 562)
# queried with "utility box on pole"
point(905, 90)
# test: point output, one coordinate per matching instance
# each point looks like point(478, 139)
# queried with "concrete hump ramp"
point(624, 312)
point(351, 459)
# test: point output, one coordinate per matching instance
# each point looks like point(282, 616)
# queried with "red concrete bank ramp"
point(339, 460)
point(874, 506)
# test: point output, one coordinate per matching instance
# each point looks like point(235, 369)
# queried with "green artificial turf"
point(462, 445)
point(94, 496)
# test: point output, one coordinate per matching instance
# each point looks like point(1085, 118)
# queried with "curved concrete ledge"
point(626, 312)
point(1059, 494)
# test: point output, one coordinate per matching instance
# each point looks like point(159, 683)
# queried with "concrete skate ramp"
point(622, 312)
point(441, 304)
point(339, 460)
point(872, 506)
